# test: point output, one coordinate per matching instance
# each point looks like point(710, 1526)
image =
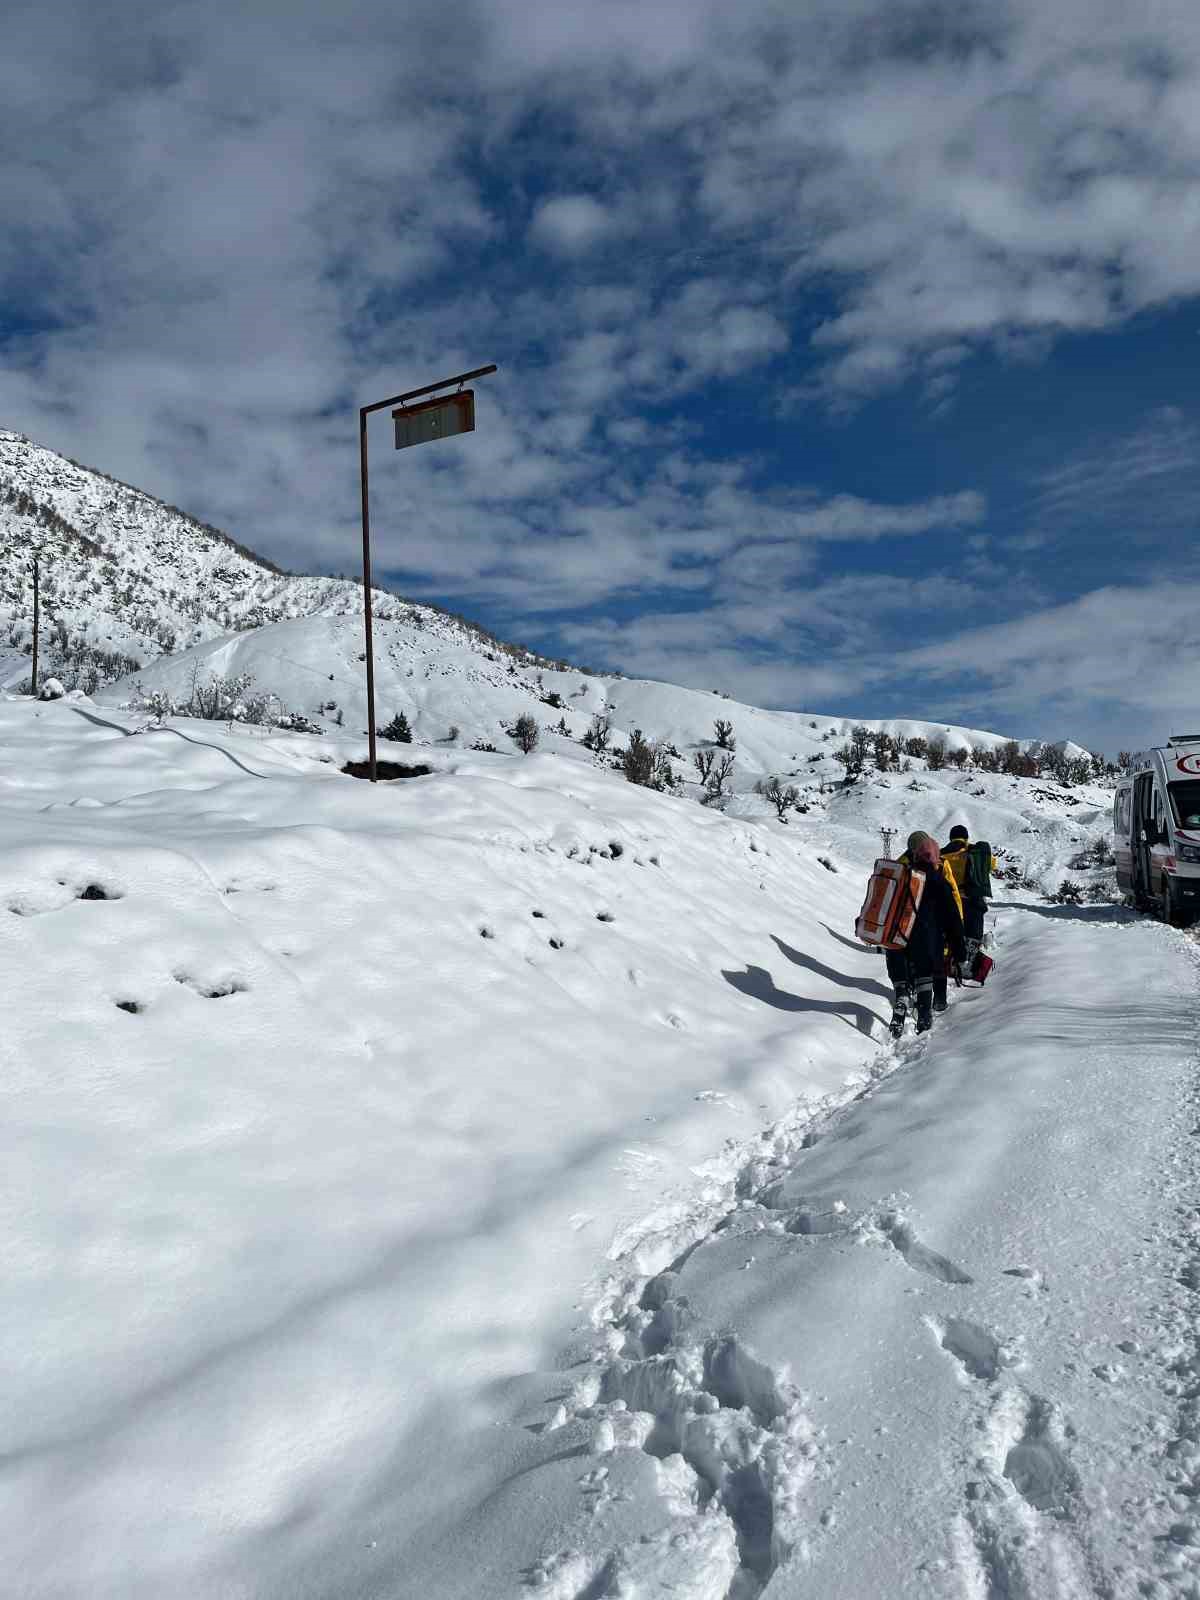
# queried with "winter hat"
point(959, 832)
point(923, 848)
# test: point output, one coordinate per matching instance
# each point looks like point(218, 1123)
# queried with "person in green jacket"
point(955, 857)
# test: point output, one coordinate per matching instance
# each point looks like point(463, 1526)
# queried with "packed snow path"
point(951, 1348)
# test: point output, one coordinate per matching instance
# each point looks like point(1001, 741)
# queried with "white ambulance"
point(1156, 828)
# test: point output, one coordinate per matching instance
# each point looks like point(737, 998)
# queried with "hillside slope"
point(457, 692)
point(126, 578)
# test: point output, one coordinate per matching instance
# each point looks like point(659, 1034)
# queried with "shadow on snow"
point(758, 984)
point(863, 985)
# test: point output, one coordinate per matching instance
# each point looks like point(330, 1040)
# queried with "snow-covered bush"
point(1069, 893)
point(51, 689)
point(297, 722)
point(221, 699)
point(1093, 856)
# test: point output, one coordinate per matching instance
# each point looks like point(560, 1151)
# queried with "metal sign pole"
point(465, 424)
point(366, 538)
point(36, 597)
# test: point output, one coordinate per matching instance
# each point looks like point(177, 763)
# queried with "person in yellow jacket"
point(974, 906)
point(934, 859)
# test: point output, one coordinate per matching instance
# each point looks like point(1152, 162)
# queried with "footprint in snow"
point(973, 1347)
point(1034, 1279)
point(1036, 1465)
point(211, 991)
point(919, 1256)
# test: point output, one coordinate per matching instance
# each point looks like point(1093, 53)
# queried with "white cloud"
point(1118, 662)
point(228, 225)
point(571, 223)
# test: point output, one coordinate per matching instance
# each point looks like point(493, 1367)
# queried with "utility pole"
point(36, 598)
point(887, 835)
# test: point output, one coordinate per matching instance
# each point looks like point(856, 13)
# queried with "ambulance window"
point(1185, 802)
point(1159, 818)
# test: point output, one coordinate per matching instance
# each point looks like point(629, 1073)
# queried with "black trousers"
point(973, 915)
point(915, 973)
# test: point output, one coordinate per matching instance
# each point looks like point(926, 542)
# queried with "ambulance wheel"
point(1171, 914)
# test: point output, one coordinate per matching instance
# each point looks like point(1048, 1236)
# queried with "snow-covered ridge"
point(135, 589)
point(126, 578)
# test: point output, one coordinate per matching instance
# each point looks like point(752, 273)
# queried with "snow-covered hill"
point(457, 693)
point(137, 591)
point(126, 579)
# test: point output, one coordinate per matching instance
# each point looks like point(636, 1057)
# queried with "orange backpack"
point(890, 909)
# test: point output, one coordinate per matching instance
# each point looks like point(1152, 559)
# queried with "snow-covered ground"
point(497, 1183)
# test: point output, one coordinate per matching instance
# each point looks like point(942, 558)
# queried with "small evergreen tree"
point(638, 760)
point(645, 763)
point(887, 751)
point(397, 729)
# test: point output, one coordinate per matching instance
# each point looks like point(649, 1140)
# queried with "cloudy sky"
point(848, 348)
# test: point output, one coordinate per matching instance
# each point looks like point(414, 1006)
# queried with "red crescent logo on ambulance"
point(1189, 764)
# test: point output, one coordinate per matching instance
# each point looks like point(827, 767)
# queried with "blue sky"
point(847, 347)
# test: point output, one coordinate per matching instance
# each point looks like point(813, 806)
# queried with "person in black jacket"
point(938, 928)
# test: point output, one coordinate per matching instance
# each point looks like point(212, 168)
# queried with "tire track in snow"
point(1176, 1535)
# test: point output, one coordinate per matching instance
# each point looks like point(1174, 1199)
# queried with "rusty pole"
point(36, 596)
point(366, 536)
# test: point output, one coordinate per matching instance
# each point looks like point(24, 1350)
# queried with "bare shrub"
point(599, 733)
point(525, 732)
point(782, 797)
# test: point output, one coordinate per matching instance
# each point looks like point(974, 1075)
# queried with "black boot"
point(924, 1010)
point(940, 1002)
point(899, 1012)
